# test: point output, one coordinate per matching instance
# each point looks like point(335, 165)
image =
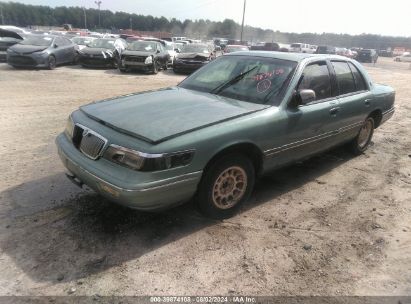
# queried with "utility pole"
point(85, 18)
point(98, 4)
point(242, 24)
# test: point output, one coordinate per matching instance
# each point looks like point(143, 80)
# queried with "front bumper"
point(132, 65)
point(140, 194)
point(187, 66)
point(97, 61)
point(28, 60)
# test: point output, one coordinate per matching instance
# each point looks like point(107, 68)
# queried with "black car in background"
point(325, 49)
point(102, 53)
point(367, 55)
point(7, 39)
point(41, 51)
point(193, 57)
point(147, 56)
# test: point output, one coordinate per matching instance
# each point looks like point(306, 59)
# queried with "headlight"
point(147, 162)
point(149, 60)
point(69, 127)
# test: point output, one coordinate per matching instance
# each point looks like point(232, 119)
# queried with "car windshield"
point(262, 80)
point(102, 43)
point(82, 40)
point(144, 46)
point(195, 48)
point(37, 40)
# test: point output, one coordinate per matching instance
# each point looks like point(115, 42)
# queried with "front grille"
point(88, 142)
point(22, 60)
point(135, 59)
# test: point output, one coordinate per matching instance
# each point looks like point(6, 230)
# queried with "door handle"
point(334, 111)
point(367, 102)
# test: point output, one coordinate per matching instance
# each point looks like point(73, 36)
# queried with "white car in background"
point(301, 48)
point(171, 50)
point(406, 57)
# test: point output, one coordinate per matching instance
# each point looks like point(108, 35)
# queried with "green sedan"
point(242, 115)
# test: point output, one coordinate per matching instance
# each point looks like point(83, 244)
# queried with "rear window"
point(359, 79)
point(345, 79)
point(295, 45)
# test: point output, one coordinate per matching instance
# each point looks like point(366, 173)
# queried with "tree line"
point(24, 15)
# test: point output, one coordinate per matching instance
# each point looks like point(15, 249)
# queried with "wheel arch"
point(377, 116)
point(248, 149)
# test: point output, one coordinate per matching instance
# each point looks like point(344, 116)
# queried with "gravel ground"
point(332, 225)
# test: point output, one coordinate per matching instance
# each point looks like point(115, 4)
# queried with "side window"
point(59, 41)
point(345, 79)
point(359, 79)
point(316, 77)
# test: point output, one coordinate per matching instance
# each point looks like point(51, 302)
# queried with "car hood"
point(27, 49)
point(193, 55)
point(137, 53)
point(161, 115)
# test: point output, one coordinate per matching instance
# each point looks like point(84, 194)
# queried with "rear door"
point(354, 96)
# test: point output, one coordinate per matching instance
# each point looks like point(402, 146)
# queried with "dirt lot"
point(354, 213)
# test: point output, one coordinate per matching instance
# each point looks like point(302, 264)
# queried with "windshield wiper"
point(230, 82)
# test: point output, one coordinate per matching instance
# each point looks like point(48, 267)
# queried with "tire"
point(155, 68)
point(362, 141)
point(228, 176)
point(51, 62)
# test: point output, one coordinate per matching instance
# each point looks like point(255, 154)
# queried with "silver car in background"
point(41, 51)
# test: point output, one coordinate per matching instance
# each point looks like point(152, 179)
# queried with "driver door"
point(309, 128)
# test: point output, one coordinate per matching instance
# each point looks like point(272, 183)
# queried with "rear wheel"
point(51, 62)
point(225, 186)
point(363, 139)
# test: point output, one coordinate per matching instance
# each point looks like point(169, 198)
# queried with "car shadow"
point(86, 234)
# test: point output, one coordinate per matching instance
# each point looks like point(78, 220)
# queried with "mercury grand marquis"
point(210, 137)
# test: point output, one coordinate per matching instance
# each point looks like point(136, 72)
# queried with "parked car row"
point(135, 53)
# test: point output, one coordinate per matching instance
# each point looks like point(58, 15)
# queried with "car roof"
point(298, 57)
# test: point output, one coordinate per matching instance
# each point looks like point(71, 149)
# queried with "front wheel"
point(225, 186)
point(51, 62)
point(362, 141)
point(155, 68)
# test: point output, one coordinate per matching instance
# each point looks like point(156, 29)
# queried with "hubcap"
point(229, 188)
point(365, 134)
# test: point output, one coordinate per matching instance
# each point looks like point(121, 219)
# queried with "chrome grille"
point(89, 143)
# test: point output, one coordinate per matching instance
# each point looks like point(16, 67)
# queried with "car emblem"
point(85, 133)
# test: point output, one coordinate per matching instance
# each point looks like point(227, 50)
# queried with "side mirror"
point(55, 46)
point(158, 51)
point(303, 97)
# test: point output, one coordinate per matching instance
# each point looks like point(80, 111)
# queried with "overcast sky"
point(344, 16)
